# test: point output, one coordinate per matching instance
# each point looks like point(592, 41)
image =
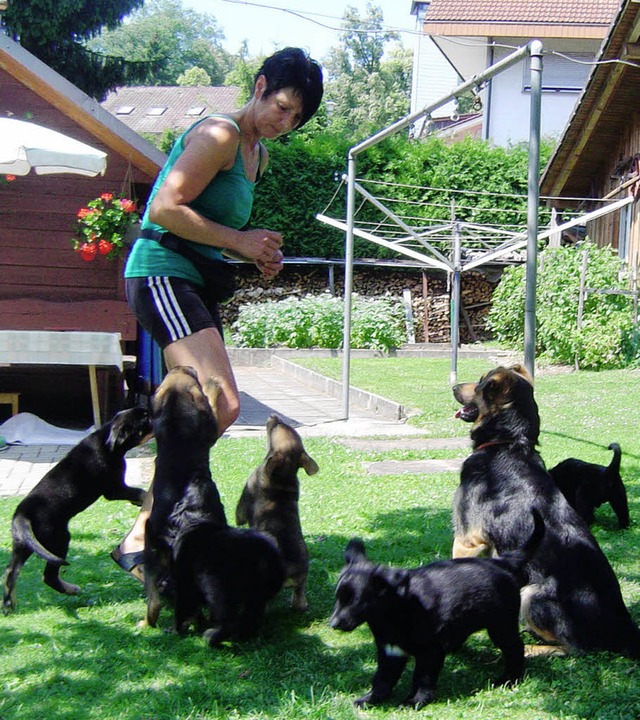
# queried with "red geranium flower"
point(88, 251)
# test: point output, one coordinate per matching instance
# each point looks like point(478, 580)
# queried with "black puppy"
point(269, 502)
point(222, 577)
point(430, 611)
point(95, 467)
point(573, 598)
point(588, 485)
point(185, 428)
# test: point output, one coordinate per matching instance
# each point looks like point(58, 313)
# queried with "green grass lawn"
point(84, 657)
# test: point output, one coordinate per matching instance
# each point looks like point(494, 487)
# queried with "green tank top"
point(227, 199)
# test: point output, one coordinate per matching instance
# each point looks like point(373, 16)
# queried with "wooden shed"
point(44, 284)
point(597, 160)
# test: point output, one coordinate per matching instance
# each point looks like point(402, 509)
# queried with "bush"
point(607, 338)
point(317, 321)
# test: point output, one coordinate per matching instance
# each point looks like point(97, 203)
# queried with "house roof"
point(518, 18)
point(602, 112)
point(152, 109)
point(79, 107)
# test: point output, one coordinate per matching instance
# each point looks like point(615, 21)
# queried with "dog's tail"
point(23, 532)
point(516, 560)
point(614, 465)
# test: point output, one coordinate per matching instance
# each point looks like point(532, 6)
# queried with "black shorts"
point(170, 308)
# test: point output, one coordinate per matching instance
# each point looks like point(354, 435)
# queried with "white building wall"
point(506, 119)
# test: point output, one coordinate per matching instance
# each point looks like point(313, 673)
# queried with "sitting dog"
point(93, 468)
point(430, 611)
point(588, 485)
point(573, 597)
point(222, 577)
point(269, 502)
point(185, 428)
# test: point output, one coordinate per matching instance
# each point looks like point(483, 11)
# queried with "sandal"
point(132, 562)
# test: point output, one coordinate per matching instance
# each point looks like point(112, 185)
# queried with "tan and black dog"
point(185, 428)
point(94, 468)
point(269, 502)
point(573, 598)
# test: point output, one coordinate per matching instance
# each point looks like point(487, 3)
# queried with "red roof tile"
point(565, 12)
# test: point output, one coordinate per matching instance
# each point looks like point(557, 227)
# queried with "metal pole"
point(348, 285)
point(455, 303)
point(535, 50)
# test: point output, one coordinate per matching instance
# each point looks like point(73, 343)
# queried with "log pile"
point(428, 288)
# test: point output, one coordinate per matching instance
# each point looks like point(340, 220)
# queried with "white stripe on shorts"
point(168, 307)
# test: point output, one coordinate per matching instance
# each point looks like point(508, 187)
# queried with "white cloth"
point(28, 429)
point(28, 347)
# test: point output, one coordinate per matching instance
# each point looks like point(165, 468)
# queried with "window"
point(567, 72)
point(124, 110)
point(196, 110)
point(156, 111)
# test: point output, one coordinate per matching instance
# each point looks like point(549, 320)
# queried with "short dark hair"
point(292, 67)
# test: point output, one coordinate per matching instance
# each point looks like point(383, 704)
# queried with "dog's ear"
point(523, 372)
point(308, 463)
point(121, 429)
point(379, 582)
point(354, 552)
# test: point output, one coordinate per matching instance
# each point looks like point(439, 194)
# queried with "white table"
point(92, 349)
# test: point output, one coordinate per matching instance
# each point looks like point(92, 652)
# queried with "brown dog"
point(269, 502)
point(573, 598)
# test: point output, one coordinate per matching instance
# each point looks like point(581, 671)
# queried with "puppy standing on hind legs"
point(93, 468)
point(269, 502)
point(185, 429)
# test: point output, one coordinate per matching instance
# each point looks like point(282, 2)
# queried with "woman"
point(200, 202)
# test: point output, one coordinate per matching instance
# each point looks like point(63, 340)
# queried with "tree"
point(193, 77)
point(367, 90)
point(173, 39)
point(55, 32)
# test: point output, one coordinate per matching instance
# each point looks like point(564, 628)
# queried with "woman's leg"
point(205, 352)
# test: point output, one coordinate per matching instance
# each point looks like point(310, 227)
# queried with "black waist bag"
point(218, 275)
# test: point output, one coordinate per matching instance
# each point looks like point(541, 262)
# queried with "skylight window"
point(156, 111)
point(124, 110)
point(196, 110)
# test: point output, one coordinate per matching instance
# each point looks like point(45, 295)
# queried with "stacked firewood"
point(430, 289)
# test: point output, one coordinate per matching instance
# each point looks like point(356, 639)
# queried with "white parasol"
point(25, 145)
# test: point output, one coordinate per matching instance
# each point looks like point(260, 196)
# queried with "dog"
point(269, 502)
point(94, 468)
point(587, 486)
point(573, 598)
point(430, 611)
point(223, 577)
point(185, 428)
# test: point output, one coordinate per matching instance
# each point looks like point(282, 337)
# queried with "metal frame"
point(436, 259)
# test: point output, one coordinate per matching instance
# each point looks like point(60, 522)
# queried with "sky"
point(271, 24)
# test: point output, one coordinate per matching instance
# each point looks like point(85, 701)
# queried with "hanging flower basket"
point(103, 227)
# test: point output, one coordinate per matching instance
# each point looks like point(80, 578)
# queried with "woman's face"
point(278, 113)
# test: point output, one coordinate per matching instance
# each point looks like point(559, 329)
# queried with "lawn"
point(84, 657)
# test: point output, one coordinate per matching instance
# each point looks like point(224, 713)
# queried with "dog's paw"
point(419, 699)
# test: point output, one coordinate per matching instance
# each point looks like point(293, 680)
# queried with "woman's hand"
point(271, 268)
point(259, 245)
